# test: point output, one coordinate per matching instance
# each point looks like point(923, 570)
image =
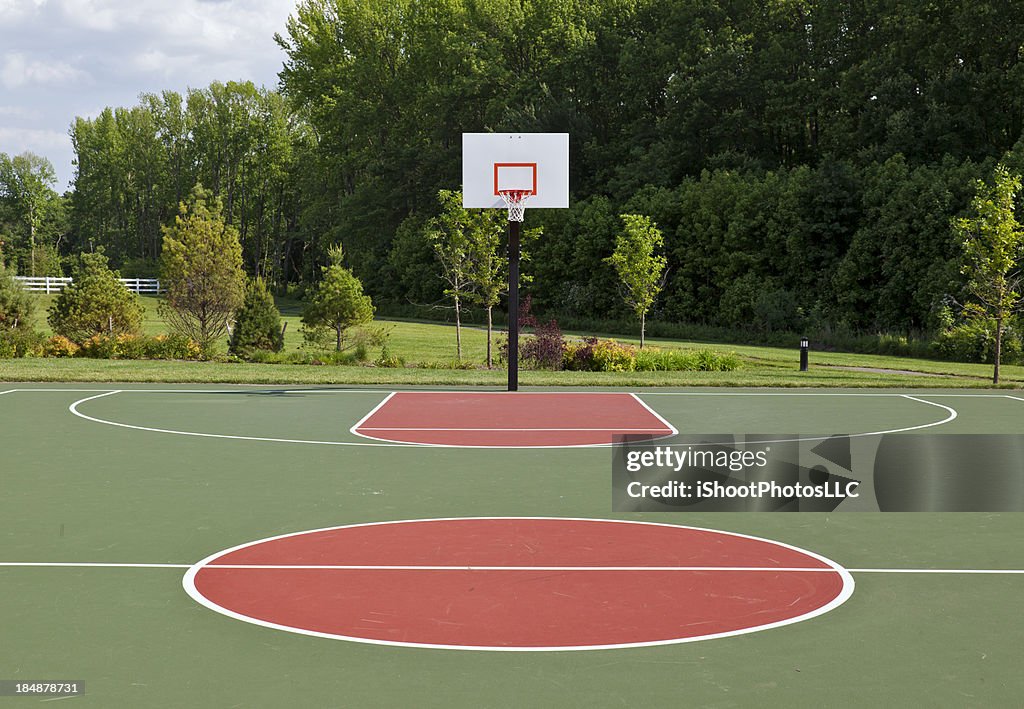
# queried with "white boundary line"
point(73, 408)
point(188, 582)
point(9, 391)
point(263, 390)
point(89, 565)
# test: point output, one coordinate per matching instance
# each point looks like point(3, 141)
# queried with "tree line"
point(804, 159)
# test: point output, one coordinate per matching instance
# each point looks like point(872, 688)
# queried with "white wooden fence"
point(50, 284)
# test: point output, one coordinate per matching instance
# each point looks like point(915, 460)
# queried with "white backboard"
point(535, 162)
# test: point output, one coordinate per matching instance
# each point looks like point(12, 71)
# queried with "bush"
point(545, 349)
point(21, 342)
point(975, 341)
point(98, 347)
point(447, 364)
point(389, 360)
point(132, 347)
point(172, 347)
point(594, 355)
point(16, 303)
point(257, 323)
point(972, 337)
point(59, 346)
point(95, 303)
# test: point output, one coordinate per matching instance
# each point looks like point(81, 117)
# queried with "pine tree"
point(201, 268)
point(95, 303)
point(339, 302)
point(257, 322)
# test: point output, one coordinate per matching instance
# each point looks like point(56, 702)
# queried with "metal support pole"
point(513, 305)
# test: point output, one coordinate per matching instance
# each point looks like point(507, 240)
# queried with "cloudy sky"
point(65, 58)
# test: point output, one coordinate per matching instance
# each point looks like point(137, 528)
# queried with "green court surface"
point(157, 478)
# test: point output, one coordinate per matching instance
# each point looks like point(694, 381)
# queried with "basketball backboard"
point(537, 163)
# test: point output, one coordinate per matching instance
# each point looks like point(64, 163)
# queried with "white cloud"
point(35, 139)
point(17, 10)
point(18, 112)
point(106, 52)
point(18, 70)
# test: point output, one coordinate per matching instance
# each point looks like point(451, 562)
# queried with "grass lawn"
point(418, 343)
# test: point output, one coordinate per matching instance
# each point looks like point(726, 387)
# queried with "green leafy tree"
point(448, 233)
point(338, 302)
point(640, 269)
point(470, 246)
point(201, 268)
point(488, 261)
point(257, 322)
point(16, 303)
point(95, 303)
point(26, 185)
point(993, 244)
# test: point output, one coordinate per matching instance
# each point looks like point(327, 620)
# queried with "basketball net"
point(515, 200)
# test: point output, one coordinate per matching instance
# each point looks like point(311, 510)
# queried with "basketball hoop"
point(515, 200)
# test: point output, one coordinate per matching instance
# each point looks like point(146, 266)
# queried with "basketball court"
point(209, 545)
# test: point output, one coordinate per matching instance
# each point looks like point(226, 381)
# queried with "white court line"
point(655, 414)
point(952, 413)
point(90, 565)
point(881, 394)
point(240, 390)
point(9, 391)
point(382, 567)
point(354, 430)
point(358, 428)
point(73, 408)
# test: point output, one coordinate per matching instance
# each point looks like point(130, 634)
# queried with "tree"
point(993, 243)
point(448, 233)
point(16, 304)
point(95, 303)
point(339, 302)
point(201, 268)
point(25, 183)
point(639, 268)
point(469, 244)
point(488, 261)
point(257, 322)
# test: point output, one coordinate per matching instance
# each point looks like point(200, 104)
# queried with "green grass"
point(421, 342)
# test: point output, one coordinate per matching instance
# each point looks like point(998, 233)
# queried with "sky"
point(60, 59)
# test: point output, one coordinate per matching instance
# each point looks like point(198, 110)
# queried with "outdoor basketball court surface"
point(351, 547)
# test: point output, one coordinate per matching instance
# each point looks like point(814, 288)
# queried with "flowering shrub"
point(594, 355)
point(59, 346)
point(172, 347)
point(137, 347)
point(98, 347)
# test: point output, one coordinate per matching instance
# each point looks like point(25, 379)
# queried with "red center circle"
point(518, 583)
